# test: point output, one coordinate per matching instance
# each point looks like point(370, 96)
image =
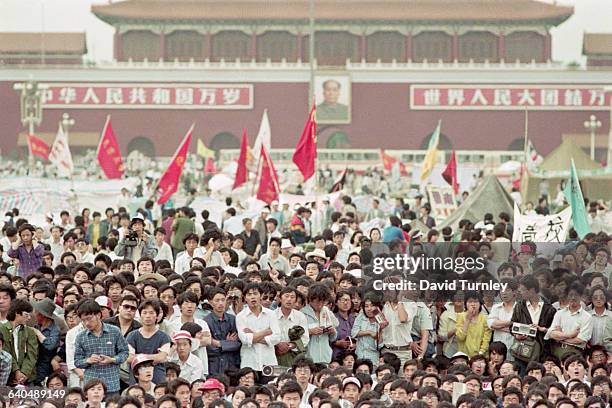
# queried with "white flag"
point(263, 137)
point(533, 158)
point(60, 154)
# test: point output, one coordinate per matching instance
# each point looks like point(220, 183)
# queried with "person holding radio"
point(533, 310)
point(322, 323)
point(367, 329)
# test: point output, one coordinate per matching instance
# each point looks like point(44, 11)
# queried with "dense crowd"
point(135, 310)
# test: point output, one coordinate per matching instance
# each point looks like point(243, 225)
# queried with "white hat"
point(318, 252)
point(355, 272)
point(104, 301)
point(138, 217)
point(182, 334)
point(286, 243)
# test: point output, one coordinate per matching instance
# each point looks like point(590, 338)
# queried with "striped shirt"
point(110, 343)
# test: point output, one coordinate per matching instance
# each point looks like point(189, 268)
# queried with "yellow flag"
point(431, 157)
point(205, 151)
point(250, 156)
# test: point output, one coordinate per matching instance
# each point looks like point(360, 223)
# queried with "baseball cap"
point(138, 217)
point(460, 354)
point(104, 301)
point(141, 358)
point(213, 384)
point(351, 380)
point(181, 334)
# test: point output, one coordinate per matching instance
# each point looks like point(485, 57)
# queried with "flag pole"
point(257, 174)
point(526, 135)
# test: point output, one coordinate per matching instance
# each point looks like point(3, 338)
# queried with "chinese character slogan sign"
point(148, 96)
point(539, 228)
point(442, 201)
point(508, 97)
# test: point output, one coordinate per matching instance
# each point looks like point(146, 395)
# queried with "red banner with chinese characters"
point(38, 147)
point(109, 155)
point(508, 97)
point(147, 96)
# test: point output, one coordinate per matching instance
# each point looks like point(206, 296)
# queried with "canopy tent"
point(488, 197)
point(559, 159)
point(595, 181)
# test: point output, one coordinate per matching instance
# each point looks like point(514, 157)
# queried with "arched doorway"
point(224, 140)
point(444, 142)
point(143, 144)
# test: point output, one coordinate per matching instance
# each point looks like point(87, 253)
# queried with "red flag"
point(168, 183)
point(268, 182)
point(109, 155)
point(242, 174)
point(390, 161)
point(38, 147)
point(450, 173)
point(209, 167)
point(517, 182)
point(306, 150)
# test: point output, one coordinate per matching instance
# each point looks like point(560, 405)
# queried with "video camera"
point(131, 239)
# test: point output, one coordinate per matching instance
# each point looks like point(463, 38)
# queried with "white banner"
point(442, 200)
point(37, 196)
point(541, 228)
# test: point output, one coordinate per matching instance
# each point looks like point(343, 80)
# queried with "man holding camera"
point(135, 242)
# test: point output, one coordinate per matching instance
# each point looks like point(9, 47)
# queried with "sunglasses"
point(130, 307)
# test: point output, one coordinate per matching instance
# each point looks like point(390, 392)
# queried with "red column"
point(162, 45)
point(364, 47)
point(547, 47)
point(298, 46)
point(118, 46)
point(501, 46)
point(455, 55)
point(254, 46)
point(408, 47)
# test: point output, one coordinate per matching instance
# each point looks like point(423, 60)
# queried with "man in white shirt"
point(76, 375)
point(164, 251)
point(209, 249)
point(56, 243)
point(191, 365)
point(258, 330)
point(288, 317)
point(274, 258)
point(572, 327)
point(183, 259)
point(82, 252)
point(9, 238)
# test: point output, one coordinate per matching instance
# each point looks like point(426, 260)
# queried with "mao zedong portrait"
point(330, 110)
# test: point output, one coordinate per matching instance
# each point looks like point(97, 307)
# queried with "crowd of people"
point(120, 309)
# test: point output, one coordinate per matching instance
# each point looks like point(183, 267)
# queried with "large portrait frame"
point(332, 93)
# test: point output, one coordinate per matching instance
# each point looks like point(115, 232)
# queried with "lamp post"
point(67, 123)
point(31, 106)
point(311, 50)
point(609, 157)
point(592, 125)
